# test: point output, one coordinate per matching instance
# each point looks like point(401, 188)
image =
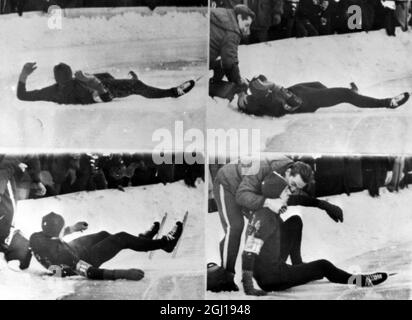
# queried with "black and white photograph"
point(100, 74)
point(323, 76)
point(100, 226)
point(184, 151)
point(291, 227)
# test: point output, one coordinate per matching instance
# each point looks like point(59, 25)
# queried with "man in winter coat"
point(227, 27)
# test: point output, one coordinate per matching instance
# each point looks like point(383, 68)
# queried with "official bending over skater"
point(84, 256)
point(85, 88)
point(238, 191)
point(270, 99)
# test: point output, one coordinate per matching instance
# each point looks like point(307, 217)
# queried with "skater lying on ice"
point(84, 256)
point(86, 88)
point(269, 99)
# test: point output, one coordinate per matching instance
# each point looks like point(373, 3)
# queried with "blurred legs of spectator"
point(305, 29)
point(259, 35)
point(390, 22)
point(397, 172)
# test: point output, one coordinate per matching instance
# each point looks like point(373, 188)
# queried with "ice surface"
point(112, 210)
point(375, 236)
point(378, 64)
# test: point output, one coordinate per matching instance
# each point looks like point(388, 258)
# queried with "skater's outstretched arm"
point(77, 227)
point(44, 94)
point(334, 212)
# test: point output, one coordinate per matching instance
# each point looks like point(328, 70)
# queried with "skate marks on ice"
point(376, 133)
point(183, 286)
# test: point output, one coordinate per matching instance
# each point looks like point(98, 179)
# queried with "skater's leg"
point(314, 85)
point(126, 87)
point(103, 76)
point(291, 240)
point(334, 96)
point(112, 245)
point(292, 276)
point(89, 240)
point(232, 221)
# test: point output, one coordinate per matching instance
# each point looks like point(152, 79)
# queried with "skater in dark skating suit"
point(85, 255)
point(88, 89)
point(269, 244)
point(269, 99)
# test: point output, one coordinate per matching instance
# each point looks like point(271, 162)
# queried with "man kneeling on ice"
point(84, 256)
point(270, 99)
point(91, 88)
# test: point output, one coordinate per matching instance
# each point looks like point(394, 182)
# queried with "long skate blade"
point(180, 239)
point(162, 223)
point(199, 78)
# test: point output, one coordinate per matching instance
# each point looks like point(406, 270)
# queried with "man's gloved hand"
point(27, 70)
point(243, 85)
point(242, 101)
point(276, 205)
point(80, 226)
point(334, 212)
point(248, 287)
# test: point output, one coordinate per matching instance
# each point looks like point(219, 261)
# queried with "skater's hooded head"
point(52, 225)
point(244, 17)
point(63, 74)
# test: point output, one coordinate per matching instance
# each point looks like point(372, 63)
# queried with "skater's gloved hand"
point(27, 70)
point(276, 205)
point(334, 212)
point(80, 226)
point(248, 287)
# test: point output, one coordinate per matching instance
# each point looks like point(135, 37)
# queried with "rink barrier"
point(111, 12)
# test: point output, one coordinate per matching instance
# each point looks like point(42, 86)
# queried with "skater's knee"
point(325, 264)
point(295, 223)
point(104, 234)
point(121, 237)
